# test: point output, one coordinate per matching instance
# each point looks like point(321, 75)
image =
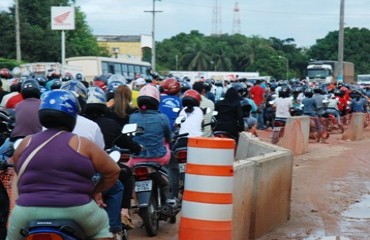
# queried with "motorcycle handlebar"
point(121, 150)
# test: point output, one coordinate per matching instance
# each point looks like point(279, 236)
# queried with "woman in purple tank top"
point(57, 181)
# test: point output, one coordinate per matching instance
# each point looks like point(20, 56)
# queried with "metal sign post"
point(63, 18)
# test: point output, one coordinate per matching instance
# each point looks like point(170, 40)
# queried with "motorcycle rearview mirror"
point(176, 110)
point(115, 155)
point(214, 113)
point(129, 128)
point(17, 143)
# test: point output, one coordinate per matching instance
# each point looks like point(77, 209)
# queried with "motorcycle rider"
point(358, 102)
point(282, 105)
point(95, 109)
point(136, 86)
point(332, 107)
point(319, 98)
point(204, 104)
point(170, 99)
point(26, 116)
point(230, 114)
point(192, 114)
point(156, 137)
point(310, 109)
point(67, 174)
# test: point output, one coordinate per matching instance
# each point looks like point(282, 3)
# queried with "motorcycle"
point(151, 188)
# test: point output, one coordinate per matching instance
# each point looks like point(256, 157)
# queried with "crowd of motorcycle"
point(131, 116)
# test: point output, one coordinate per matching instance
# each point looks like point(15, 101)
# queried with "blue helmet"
point(113, 85)
point(96, 101)
point(58, 109)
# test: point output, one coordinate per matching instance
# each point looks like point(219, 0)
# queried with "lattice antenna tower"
point(236, 21)
point(216, 19)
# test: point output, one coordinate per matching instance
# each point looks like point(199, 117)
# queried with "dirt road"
point(330, 194)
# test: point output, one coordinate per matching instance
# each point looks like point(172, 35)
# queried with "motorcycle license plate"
point(143, 186)
point(182, 167)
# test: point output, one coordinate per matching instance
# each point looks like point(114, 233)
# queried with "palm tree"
point(196, 58)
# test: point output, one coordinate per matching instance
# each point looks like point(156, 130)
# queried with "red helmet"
point(191, 97)
point(5, 73)
point(100, 84)
point(170, 86)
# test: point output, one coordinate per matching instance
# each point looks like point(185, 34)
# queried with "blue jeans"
point(6, 150)
point(260, 122)
point(113, 198)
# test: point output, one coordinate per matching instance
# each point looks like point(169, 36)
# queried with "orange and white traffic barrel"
point(207, 204)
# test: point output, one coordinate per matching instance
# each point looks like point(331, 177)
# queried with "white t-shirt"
point(90, 130)
point(283, 106)
point(193, 122)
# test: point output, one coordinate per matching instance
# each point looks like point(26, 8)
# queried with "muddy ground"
point(330, 194)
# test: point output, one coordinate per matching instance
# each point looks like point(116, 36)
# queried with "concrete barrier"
point(298, 133)
point(356, 127)
point(242, 198)
point(268, 195)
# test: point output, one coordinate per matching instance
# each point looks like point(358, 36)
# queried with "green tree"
point(236, 52)
point(356, 48)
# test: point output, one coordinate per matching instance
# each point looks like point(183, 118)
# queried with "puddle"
point(359, 211)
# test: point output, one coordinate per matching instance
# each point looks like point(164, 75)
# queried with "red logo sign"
point(61, 18)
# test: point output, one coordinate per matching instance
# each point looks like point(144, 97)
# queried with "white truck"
point(325, 71)
point(363, 79)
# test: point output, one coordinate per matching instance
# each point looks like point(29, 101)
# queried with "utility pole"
point(153, 32)
point(17, 32)
point(340, 43)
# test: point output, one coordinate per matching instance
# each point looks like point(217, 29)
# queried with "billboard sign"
point(62, 18)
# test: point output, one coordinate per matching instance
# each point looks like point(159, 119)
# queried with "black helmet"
point(297, 90)
point(338, 93)
point(308, 92)
point(184, 86)
point(284, 92)
point(317, 89)
point(355, 93)
point(57, 83)
point(41, 80)
point(30, 88)
point(79, 77)
point(239, 88)
point(58, 108)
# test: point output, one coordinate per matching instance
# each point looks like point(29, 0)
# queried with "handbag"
point(28, 159)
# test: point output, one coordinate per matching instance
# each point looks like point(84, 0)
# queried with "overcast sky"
point(304, 21)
